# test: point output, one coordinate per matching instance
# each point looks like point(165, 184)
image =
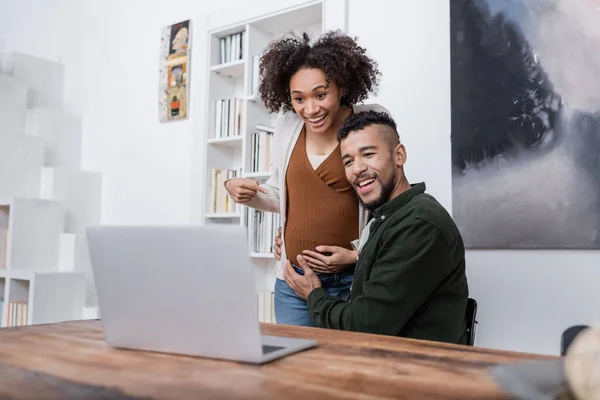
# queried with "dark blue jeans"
point(292, 310)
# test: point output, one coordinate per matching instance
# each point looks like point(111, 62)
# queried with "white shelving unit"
point(46, 200)
point(50, 296)
point(33, 229)
point(235, 79)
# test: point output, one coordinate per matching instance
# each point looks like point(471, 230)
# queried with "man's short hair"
point(361, 120)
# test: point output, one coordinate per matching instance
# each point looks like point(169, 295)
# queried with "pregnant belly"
point(303, 235)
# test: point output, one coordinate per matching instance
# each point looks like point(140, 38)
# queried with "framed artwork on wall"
point(525, 95)
point(174, 71)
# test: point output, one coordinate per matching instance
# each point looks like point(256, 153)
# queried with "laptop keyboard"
point(269, 349)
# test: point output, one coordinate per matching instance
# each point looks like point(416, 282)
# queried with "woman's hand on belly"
point(330, 259)
point(277, 245)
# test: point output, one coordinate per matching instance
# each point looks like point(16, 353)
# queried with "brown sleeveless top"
point(322, 206)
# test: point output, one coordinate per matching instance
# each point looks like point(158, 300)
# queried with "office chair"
point(471, 318)
point(568, 336)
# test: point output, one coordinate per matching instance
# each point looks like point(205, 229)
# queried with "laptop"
point(182, 290)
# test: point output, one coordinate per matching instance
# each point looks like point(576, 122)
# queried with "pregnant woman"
point(314, 87)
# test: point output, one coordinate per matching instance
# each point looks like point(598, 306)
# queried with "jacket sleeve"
point(270, 201)
point(403, 275)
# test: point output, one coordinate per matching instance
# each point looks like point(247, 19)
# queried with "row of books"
point(17, 313)
point(260, 149)
point(231, 48)
point(265, 307)
point(220, 201)
point(228, 117)
point(262, 228)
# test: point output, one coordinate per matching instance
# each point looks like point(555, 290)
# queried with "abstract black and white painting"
point(525, 84)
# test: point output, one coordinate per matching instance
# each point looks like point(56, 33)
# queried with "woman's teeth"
point(318, 119)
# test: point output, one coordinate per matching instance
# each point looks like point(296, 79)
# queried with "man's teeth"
point(363, 183)
point(318, 119)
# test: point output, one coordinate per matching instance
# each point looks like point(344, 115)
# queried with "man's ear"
point(400, 155)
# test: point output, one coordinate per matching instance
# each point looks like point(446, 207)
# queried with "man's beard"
point(387, 188)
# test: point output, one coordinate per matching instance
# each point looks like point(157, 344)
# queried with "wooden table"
point(71, 360)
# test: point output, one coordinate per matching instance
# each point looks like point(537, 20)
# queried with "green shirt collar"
point(400, 200)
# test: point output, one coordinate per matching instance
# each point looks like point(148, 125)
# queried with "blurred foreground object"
point(582, 364)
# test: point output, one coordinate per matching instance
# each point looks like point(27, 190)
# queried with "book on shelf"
point(228, 117)
point(17, 313)
point(255, 77)
point(265, 307)
point(260, 151)
point(231, 48)
point(265, 128)
point(263, 227)
point(221, 202)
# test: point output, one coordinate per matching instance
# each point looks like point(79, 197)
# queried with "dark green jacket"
point(410, 276)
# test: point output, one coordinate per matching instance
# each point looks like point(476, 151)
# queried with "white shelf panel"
point(61, 132)
point(13, 106)
point(81, 192)
point(264, 128)
point(258, 175)
point(21, 161)
point(57, 296)
point(234, 69)
point(28, 275)
point(23, 275)
point(231, 141)
point(34, 227)
point(223, 215)
point(262, 255)
point(291, 20)
point(44, 78)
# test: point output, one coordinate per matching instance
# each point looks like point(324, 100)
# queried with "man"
point(410, 273)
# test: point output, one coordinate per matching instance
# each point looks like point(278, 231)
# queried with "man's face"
point(371, 165)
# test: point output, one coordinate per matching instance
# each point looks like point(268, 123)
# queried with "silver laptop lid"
point(185, 289)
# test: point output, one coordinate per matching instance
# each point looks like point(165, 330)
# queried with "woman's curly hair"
point(339, 56)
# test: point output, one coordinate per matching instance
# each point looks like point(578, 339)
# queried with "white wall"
point(526, 298)
point(146, 165)
point(51, 29)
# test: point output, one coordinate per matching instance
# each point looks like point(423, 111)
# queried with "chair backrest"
point(568, 336)
point(471, 319)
